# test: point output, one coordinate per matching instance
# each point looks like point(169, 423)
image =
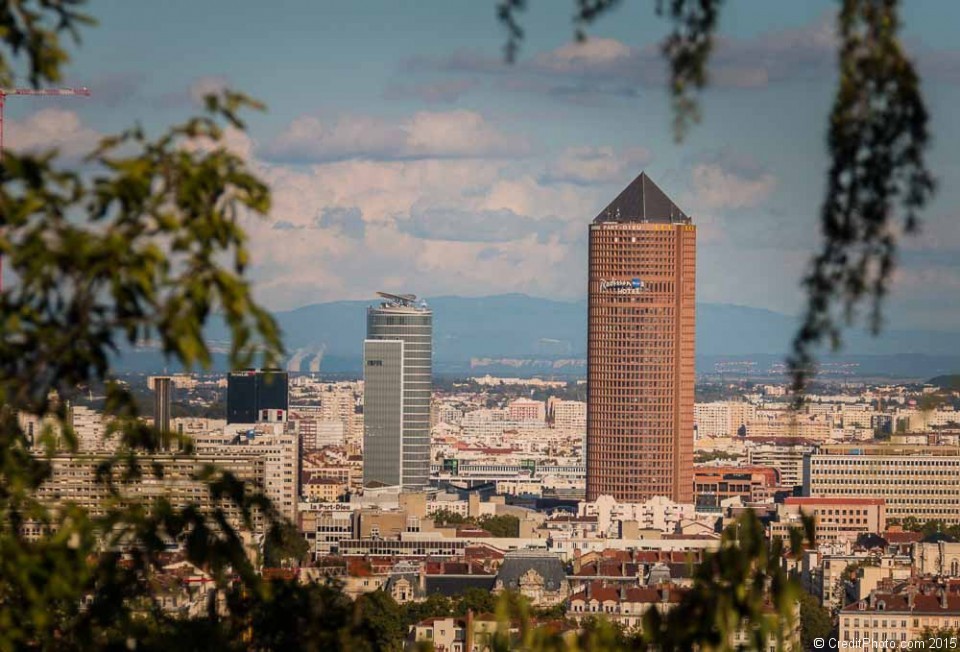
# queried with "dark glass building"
point(254, 395)
point(162, 398)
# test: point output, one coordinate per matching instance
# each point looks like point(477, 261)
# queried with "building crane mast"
point(4, 92)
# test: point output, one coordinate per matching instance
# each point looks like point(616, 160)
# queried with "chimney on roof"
point(623, 592)
point(468, 634)
point(589, 590)
point(942, 594)
point(623, 569)
point(665, 592)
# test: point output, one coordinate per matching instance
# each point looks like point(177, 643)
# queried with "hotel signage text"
point(631, 286)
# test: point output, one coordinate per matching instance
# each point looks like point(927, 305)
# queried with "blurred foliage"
point(143, 243)
point(284, 546)
point(878, 179)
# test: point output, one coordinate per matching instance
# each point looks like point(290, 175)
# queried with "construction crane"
point(4, 92)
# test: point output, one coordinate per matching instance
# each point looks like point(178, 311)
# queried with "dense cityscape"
point(591, 497)
point(479, 326)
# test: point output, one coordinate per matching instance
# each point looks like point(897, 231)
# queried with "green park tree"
point(815, 621)
point(501, 526)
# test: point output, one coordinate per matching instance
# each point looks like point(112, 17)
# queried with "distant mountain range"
point(526, 335)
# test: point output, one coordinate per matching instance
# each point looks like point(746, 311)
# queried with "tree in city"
point(476, 600)
point(284, 545)
point(815, 621)
point(378, 622)
point(447, 517)
point(505, 525)
point(435, 605)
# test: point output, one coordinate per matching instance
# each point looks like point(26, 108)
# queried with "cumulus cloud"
point(717, 188)
point(729, 181)
point(594, 53)
point(348, 220)
point(52, 128)
point(426, 134)
point(597, 165)
point(458, 225)
point(348, 228)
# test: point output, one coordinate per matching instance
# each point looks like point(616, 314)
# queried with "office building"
point(751, 484)
point(918, 481)
point(784, 455)
point(525, 409)
point(397, 372)
point(640, 348)
point(162, 390)
point(257, 395)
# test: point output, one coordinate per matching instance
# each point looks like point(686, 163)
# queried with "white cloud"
point(593, 52)
point(425, 135)
point(718, 188)
point(590, 165)
point(463, 226)
point(52, 128)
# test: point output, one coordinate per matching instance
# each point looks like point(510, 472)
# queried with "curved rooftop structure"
point(400, 302)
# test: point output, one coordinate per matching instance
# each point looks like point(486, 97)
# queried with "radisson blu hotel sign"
point(631, 286)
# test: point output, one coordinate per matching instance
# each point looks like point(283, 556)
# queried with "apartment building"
point(886, 619)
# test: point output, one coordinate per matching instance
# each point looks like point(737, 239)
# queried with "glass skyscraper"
point(397, 374)
point(254, 395)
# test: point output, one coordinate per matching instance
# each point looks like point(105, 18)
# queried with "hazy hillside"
point(534, 335)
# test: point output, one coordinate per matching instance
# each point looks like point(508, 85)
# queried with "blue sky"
point(405, 155)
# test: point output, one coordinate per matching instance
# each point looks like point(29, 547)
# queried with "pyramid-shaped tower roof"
point(642, 201)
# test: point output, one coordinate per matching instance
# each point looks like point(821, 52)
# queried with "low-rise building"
point(835, 519)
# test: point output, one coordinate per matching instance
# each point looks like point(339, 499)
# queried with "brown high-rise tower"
point(640, 350)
